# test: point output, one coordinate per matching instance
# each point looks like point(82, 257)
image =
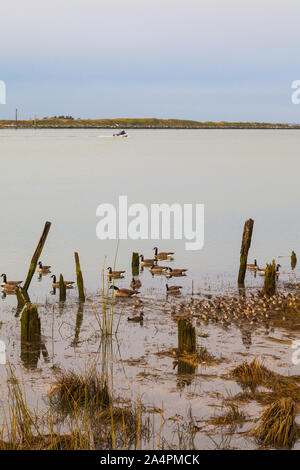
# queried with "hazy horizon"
point(204, 61)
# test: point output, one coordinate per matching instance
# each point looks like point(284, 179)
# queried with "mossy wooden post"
point(62, 289)
point(246, 242)
point(270, 279)
point(36, 256)
point(135, 264)
point(30, 336)
point(80, 284)
point(30, 324)
point(293, 260)
point(186, 337)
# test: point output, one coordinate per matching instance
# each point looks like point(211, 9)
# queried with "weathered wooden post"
point(186, 337)
point(135, 264)
point(62, 289)
point(30, 336)
point(246, 242)
point(270, 279)
point(293, 260)
point(36, 256)
point(79, 276)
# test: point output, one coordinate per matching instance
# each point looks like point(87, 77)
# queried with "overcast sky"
point(205, 60)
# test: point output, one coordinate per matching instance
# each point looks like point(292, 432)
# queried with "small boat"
point(121, 134)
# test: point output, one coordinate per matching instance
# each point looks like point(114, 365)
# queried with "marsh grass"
point(83, 407)
point(254, 374)
point(232, 416)
point(277, 426)
point(72, 391)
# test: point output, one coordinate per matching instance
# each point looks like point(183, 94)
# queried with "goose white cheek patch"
point(157, 222)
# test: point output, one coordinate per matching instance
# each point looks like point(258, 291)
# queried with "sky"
point(192, 59)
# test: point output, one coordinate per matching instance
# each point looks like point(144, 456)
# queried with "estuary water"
point(63, 175)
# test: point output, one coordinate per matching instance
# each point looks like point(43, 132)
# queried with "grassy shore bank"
point(131, 123)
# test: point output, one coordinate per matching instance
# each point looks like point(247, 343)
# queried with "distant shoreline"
point(130, 123)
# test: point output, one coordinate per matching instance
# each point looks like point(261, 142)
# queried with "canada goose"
point(112, 273)
point(124, 292)
point(262, 272)
point(155, 269)
point(137, 318)
point(173, 289)
point(146, 262)
point(9, 283)
point(43, 269)
point(253, 266)
point(162, 254)
point(175, 272)
point(135, 283)
point(68, 284)
point(9, 288)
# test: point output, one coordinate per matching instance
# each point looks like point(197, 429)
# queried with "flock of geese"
point(154, 269)
point(235, 308)
point(151, 263)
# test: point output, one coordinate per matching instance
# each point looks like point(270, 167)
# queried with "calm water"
point(62, 176)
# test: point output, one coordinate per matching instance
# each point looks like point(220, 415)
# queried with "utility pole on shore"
point(16, 117)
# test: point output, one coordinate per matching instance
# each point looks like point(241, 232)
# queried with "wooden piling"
point(79, 276)
point(30, 336)
point(270, 279)
point(30, 324)
point(135, 264)
point(246, 243)
point(186, 337)
point(36, 256)
point(62, 289)
point(293, 260)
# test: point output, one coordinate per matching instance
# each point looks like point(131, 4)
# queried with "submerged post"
point(293, 260)
point(270, 279)
point(36, 256)
point(135, 264)
point(62, 289)
point(80, 284)
point(186, 336)
point(246, 242)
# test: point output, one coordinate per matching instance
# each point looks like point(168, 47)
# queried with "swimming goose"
point(175, 272)
point(9, 283)
point(262, 272)
point(155, 269)
point(124, 292)
point(146, 262)
point(112, 273)
point(135, 283)
point(253, 266)
point(162, 254)
point(137, 318)
point(68, 284)
point(173, 289)
point(43, 269)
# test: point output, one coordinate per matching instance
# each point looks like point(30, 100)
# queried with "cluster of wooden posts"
point(270, 275)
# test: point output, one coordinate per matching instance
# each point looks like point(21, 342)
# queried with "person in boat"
point(123, 132)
